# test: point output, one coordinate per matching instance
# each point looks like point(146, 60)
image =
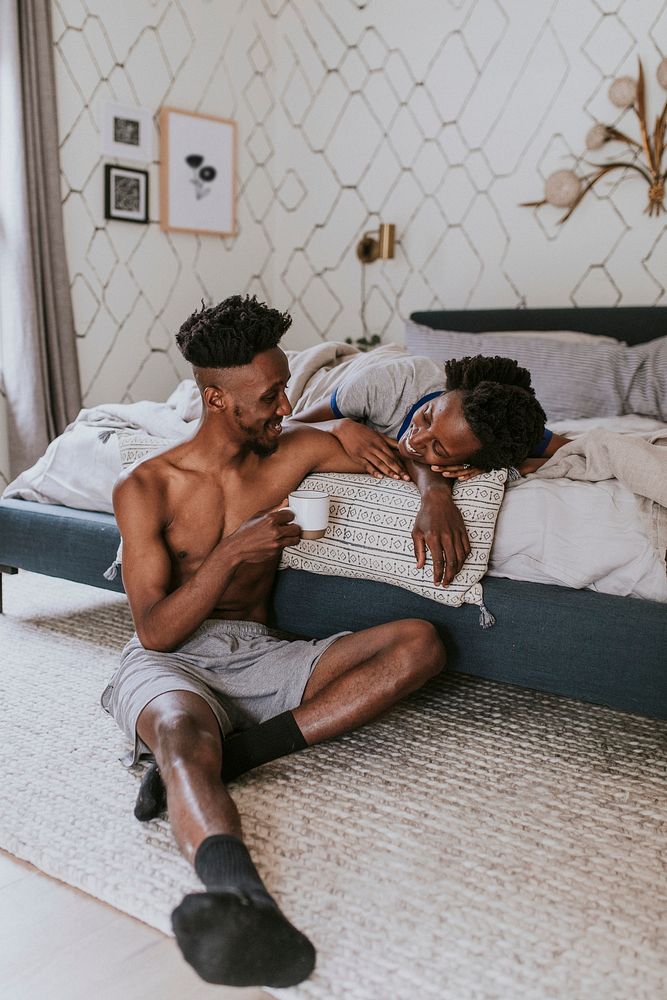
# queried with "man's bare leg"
point(362, 675)
point(232, 934)
point(356, 679)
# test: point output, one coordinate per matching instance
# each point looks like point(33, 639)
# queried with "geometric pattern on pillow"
point(369, 534)
point(135, 446)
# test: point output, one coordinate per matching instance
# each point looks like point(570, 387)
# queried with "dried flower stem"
point(653, 149)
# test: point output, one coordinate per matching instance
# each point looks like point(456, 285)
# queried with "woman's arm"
point(438, 525)
point(555, 442)
point(318, 413)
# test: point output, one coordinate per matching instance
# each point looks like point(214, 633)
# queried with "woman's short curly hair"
point(500, 406)
point(231, 333)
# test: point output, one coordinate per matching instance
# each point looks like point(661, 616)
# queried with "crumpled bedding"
point(552, 526)
point(640, 465)
point(80, 467)
point(594, 515)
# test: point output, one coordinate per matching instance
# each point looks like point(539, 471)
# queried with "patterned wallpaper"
point(440, 116)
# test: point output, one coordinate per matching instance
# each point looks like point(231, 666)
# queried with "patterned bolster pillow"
point(370, 535)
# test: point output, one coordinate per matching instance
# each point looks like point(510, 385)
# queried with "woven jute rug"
point(479, 842)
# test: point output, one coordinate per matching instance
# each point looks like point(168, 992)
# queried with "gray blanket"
point(318, 370)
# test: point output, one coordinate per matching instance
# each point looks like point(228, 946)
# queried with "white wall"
point(438, 115)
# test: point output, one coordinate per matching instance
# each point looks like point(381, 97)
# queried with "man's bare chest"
point(199, 518)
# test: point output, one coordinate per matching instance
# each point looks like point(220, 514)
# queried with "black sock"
point(234, 934)
point(152, 797)
point(261, 743)
point(223, 863)
point(241, 752)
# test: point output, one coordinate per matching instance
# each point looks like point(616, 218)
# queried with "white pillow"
point(564, 336)
point(369, 535)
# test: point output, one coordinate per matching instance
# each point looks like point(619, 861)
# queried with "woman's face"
point(439, 433)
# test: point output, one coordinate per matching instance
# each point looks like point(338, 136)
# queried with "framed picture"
point(125, 194)
point(127, 133)
point(197, 173)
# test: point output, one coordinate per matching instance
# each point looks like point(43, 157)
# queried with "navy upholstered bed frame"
point(633, 324)
point(576, 643)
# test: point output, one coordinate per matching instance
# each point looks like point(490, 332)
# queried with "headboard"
point(633, 324)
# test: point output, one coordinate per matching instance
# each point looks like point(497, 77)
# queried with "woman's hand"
point(378, 453)
point(439, 527)
point(462, 472)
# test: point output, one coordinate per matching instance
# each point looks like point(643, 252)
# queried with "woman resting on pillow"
point(399, 420)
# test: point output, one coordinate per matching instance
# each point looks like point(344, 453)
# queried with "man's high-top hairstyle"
point(231, 333)
point(500, 406)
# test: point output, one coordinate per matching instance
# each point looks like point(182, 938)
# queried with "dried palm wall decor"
point(567, 188)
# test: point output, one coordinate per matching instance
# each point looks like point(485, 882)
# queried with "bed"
point(578, 643)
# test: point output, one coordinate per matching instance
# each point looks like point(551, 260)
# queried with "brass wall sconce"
point(379, 244)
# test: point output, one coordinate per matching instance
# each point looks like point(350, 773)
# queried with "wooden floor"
point(59, 944)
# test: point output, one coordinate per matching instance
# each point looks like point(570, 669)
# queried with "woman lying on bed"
point(399, 419)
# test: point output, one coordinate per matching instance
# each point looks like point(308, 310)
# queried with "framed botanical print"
point(197, 173)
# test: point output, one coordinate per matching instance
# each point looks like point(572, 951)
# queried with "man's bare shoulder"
point(307, 444)
point(144, 483)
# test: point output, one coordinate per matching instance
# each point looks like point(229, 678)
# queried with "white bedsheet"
point(578, 535)
point(548, 531)
point(581, 534)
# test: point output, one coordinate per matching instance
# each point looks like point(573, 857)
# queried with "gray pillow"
point(595, 377)
point(644, 379)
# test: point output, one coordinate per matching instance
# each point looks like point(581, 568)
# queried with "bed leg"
point(5, 569)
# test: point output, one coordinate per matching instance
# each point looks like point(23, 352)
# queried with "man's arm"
point(376, 452)
point(313, 450)
point(438, 525)
point(164, 620)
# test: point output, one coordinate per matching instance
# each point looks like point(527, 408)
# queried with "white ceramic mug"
point(311, 511)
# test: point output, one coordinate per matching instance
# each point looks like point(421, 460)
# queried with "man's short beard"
point(258, 447)
point(254, 443)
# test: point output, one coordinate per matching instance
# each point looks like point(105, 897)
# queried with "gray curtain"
point(39, 361)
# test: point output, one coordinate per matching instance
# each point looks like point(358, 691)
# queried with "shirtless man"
point(203, 529)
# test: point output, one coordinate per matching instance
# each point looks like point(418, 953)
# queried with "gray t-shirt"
point(386, 395)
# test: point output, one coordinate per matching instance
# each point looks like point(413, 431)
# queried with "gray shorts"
point(245, 671)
